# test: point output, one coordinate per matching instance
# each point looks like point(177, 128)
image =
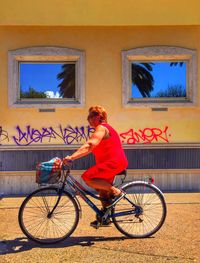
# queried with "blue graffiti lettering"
point(68, 135)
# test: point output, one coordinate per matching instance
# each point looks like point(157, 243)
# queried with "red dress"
point(109, 156)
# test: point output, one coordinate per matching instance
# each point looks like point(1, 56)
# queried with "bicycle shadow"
point(23, 244)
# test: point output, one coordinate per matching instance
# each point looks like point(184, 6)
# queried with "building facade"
point(102, 43)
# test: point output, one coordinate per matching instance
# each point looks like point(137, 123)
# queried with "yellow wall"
point(99, 12)
point(103, 47)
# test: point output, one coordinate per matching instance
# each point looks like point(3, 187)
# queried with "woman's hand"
point(67, 160)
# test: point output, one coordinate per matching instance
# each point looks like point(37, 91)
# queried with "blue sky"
point(41, 77)
point(164, 75)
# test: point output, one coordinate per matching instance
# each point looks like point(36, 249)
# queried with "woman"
point(110, 159)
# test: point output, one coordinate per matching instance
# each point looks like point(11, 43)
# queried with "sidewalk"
point(177, 241)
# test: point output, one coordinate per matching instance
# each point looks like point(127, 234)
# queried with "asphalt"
point(177, 241)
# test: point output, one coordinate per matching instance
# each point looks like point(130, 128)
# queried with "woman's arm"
point(87, 147)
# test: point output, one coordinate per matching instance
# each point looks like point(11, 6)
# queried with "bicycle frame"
point(82, 192)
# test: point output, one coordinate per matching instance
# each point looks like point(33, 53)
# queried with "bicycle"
point(51, 214)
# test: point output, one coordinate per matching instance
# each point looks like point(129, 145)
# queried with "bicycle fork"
point(57, 202)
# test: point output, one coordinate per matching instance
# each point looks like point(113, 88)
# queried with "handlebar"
point(66, 167)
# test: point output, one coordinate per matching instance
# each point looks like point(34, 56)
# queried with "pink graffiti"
point(147, 135)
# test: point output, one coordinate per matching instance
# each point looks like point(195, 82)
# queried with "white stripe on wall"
point(23, 182)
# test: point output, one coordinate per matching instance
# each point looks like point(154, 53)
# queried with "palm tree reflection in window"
point(142, 78)
point(67, 85)
point(158, 79)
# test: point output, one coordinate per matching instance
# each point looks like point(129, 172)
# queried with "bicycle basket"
point(49, 172)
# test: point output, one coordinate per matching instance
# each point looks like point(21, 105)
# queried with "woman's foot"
point(117, 198)
point(104, 223)
point(99, 222)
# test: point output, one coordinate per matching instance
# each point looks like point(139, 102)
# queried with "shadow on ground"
point(23, 244)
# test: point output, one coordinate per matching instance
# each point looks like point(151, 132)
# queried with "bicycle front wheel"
point(39, 224)
point(142, 211)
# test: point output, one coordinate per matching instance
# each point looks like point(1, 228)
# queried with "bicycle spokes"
point(45, 219)
point(142, 212)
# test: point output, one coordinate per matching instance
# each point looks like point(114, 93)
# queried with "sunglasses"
point(92, 115)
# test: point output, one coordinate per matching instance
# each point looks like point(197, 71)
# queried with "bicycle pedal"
point(96, 224)
point(95, 227)
point(105, 225)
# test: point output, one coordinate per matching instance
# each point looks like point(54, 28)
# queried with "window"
point(159, 76)
point(46, 77)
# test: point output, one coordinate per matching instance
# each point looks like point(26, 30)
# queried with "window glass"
point(46, 77)
point(52, 80)
point(159, 76)
point(158, 79)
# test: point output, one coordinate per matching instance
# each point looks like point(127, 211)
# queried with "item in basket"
point(49, 172)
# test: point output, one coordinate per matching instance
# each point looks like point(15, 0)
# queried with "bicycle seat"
point(120, 178)
point(124, 172)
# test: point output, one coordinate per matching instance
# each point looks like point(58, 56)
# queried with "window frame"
point(42, 55)
point(160, 53)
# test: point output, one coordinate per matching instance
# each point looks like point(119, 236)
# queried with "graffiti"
point(3, 135)
point(75, 135)
point(147, 135)
point(68, 135)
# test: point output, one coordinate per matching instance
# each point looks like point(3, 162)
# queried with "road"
point(177, 241)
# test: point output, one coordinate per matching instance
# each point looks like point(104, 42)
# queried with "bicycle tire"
point(33, 216)
point(151, 213)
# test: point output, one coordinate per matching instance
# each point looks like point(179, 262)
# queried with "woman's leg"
point(103, 185)
point(105, 196)
point(94, 178)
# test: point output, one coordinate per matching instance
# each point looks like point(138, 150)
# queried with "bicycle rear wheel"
point(39, 225)
point(146, 217)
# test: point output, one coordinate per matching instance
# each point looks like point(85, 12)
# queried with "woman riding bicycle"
point(138, 210)
point(110, 159)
